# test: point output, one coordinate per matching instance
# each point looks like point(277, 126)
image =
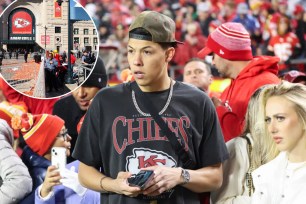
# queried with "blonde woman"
point(283, 180)
point(246, 154)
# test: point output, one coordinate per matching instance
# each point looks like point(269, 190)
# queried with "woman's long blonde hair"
point(254, 124)
point(293, 92)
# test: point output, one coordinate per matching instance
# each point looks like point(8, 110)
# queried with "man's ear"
point(170, 53)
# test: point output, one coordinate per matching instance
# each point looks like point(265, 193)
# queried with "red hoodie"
point(260, 71)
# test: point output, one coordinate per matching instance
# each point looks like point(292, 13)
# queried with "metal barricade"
point(82, 72)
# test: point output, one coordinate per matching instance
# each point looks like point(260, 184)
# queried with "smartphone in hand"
point(58, 157)
point(141, 179)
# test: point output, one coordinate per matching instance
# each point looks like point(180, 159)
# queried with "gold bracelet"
point(101, 184)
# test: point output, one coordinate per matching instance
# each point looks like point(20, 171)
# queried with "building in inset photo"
point(33, 31)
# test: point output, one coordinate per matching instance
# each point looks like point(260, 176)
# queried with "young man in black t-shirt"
point(119, 137)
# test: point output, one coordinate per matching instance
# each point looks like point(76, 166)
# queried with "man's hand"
point(52, 179)
point(165, 178)
point(121, 185)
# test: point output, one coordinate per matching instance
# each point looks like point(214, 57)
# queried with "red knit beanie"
point(39, 131)
point(230, 41)
point(8, 110)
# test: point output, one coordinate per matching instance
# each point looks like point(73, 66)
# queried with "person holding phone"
point(42, 134)
point(120, 138)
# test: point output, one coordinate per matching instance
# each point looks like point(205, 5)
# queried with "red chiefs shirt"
point(283, 47)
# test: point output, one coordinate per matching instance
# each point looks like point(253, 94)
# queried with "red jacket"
point(260, 71)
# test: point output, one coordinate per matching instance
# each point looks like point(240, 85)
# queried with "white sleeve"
point(47, 197)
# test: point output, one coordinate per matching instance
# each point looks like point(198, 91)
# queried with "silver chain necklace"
point(164, 108)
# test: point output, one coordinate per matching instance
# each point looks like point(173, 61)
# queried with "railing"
point(40, 88)
point(82, 72)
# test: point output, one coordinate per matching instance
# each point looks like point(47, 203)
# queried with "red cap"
point(265, 5)
point(294, 76)
point(298, 9)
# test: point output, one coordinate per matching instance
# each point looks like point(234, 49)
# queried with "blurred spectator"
point(285, 44)
point(104, 31)
point(299, 26)
point(25, 56)
point(119, 39)
point(247, 20)
point(280, 8)
point(191, 10)
point(264, 16)
point(92, 11)
point(193, 43)
point(15, 180)
point(85, 58)
point(64, 57)
point(228, 11)
point(50, 72)
point(204, 17)
point(135, 9)
point(198, 73)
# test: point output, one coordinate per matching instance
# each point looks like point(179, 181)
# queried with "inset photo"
point(47, 47)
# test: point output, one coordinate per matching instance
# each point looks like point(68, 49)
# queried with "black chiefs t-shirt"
point(116, 137)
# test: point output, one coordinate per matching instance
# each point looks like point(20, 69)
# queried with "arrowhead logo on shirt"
point(144, 157)
point(221, 52)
